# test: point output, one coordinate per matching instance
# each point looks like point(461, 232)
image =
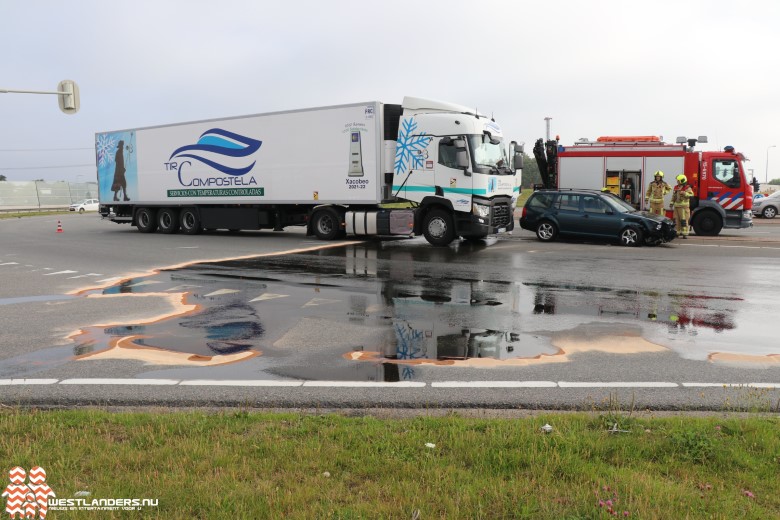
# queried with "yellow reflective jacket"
point(656, 191)
point(682, 194)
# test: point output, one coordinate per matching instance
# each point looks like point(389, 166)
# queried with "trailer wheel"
point(190, 221)
point(438, 227)
point(145, 220)
point(546, 231)
point(168, 221)
point(631, 237)
point(326, 224)
point(769, 212)
point(707, 223)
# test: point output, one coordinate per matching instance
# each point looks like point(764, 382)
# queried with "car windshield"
point(487, 154)
point(618, 204)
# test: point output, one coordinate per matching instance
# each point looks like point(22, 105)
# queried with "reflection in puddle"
point(384, 309)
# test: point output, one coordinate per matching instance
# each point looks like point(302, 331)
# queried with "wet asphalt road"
point(504, 323)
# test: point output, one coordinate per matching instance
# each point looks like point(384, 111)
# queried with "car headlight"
point(480, 210)
point(658, 227)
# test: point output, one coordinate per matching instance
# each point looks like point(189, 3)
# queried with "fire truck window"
point(727, 172)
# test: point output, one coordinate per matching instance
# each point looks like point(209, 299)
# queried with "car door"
point(599, 219)
point(569, 215)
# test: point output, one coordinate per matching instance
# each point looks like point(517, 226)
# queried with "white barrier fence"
point(42, 195)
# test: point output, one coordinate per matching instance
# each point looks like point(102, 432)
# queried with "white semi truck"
point(332, 169)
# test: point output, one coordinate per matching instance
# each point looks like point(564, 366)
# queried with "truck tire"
point(189, 220)
point(146, 220)
point(326, 224)
point(631, 237)
point(769, 212)
point(168, 221)
point(438, 227)
point(546, 231)
point(707, 223)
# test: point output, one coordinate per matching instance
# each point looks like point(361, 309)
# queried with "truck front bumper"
point(500, 220)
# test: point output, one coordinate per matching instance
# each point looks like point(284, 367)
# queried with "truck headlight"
point(480, 210)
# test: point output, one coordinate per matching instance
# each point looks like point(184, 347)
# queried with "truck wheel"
point(168, 221)
point(438, 227)
point(769, 212)
point(707, 224)
point(145, 220)
point(631, 237)
point(326, 224)
point(546, 231)
point(189, 220)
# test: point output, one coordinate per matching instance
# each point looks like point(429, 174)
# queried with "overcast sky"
point(665, 68)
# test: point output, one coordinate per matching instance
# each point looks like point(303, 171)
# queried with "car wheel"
point(769, 212)
point(631, 237)
point(189, 221)
point(145, 220)
point(546, 231)
point(81, 210)
point(326, 224)
point(168, 221)
point(438, 227)
point(707, 224)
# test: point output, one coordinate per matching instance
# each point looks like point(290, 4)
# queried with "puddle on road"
point(388, 309)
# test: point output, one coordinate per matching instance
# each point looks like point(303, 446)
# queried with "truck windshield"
point(488, 157)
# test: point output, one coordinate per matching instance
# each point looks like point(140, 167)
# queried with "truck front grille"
point(502, 216)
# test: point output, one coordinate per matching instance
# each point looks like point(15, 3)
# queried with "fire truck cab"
point(627, 164)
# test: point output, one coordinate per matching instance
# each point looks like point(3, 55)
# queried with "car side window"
point(541, 200)
point(569, 203)
point(594, 205)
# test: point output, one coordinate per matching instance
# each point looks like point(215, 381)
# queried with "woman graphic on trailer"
point(120, 182)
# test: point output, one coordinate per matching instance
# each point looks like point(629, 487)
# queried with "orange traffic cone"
point(59, 227)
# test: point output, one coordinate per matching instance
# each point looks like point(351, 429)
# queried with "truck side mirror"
point(462, 159)
point(518, 161)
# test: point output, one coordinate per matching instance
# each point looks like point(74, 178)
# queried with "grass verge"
point(285, 465)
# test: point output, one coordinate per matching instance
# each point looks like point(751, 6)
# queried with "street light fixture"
point(766, 173)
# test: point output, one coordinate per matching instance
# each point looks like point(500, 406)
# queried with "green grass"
point(20, 214)
point(262, 465)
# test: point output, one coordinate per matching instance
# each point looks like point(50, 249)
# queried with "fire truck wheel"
point(168, 221)
point(326, 224)
point(438, 227)
point(769, 212)
point(631, 237)
point(707, 224)
point(546, 231)
point(145, 220)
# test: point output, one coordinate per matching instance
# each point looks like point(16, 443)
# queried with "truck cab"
point(452, 161)
point(724, 196)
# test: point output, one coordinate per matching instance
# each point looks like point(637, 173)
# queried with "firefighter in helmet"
point(655, 193)
point(681, 205)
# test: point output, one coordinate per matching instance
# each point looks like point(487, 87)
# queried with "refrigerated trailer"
point(333, 169)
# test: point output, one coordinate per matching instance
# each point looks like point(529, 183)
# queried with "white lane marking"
point(731, 385)
point(494, 384)
point(617, 384)
point(28, 381)
point(84, 275)
point(221, 292)
point(217, 382)
point(145, 282)
point(137, 382)
point(362, 384)
point(67, 271)
point(319, 301)
point(720, 245)
point(110, 279)
point(10, 263)
point(268, 296)
point(188, 247)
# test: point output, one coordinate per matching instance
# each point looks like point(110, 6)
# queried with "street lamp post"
point(766, 172)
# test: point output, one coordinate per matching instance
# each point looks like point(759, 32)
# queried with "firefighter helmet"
point(605, 190)
point(659, 173)
point(682, 179)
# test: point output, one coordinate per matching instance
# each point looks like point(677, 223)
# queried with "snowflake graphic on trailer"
point(410, 148)
point(106, 146)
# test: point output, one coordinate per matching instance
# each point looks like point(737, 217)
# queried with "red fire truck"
point(625, 165)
